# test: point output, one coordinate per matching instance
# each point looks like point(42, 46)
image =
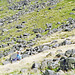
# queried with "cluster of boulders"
point(64, 27)
point(10, 19)
point(24, 7)
point(32, 51)
point(62, 61)
point(69, 26)
point(22, 44)
point(68, 62)
point(22, 4)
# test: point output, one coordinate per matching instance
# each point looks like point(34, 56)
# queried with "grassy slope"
point(28, 61)
point(6, 12)
point(39, 19)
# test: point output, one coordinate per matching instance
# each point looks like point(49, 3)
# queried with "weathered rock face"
point(69, 62)
point(66, 64)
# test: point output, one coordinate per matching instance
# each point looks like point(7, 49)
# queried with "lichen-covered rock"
point(68, 62)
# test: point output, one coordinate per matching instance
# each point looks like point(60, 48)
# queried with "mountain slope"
point(34, 26)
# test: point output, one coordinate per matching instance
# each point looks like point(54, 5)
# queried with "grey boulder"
point(50, 72)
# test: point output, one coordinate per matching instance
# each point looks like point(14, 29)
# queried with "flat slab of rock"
point(13, 56)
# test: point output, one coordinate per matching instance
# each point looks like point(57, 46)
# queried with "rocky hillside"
point(44, 33)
